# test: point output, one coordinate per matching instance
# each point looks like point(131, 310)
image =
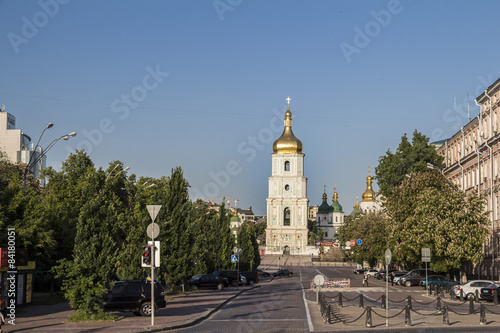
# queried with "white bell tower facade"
point(287, 202)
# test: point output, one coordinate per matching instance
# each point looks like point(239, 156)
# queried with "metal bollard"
point(477, 294)
point(409, 301)
point(438, 289)
point(361, 298)
point(340, 299)
point(482, 315)
point(471, 305)
point(382, 304)
point(407, 317)
point(452, 294)
point(446, 319)
point(442, 293)
point(368, 317)
point(328, 314)
point(439, 304)
point(461, 295)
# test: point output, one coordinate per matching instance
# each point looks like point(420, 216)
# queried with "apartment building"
point(471, 158)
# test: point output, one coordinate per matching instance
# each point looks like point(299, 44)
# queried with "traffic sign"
point(318, 243)
point(319, 280)
point(353, 243)
point(426, 254)
point(153, 230)
point(388, 256)
point(153, 211)
point(359, 242)
point(234, 258)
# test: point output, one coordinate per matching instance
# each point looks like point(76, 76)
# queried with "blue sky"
point(202, 84)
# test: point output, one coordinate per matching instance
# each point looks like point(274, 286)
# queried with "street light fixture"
point(431, 166)
point(43, 152)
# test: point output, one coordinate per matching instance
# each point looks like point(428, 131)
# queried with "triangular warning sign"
point(153, 211)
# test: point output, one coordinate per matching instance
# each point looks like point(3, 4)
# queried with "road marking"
point(308, 315)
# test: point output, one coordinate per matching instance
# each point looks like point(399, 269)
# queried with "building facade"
point(471, 159)
point(287, 203)
point(16, 144)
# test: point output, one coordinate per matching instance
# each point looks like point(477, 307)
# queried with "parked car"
point(252, 277)
point(209, 281)
point(397, 275)
point(231, 276)
point(436, 280)
point(487, 293)
point(360, 271)
point(134, 296)
point(469, 288)
point(413, 277)
point(282, 272)
point(262, 273)
point(371, 272)
point(381, 275)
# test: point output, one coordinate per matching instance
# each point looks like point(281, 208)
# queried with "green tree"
point(409, 157)
point(371, 228)
point(427, 211)
point(175, 219)
point(62, 201)
point(247, 242)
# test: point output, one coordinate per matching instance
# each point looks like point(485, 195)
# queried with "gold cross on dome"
point(288, 99)
point(368, 169)
point(335, 188)
point(324, 187)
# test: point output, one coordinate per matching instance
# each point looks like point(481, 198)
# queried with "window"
point(287, 166)
point(286, 216)
point(287, 187)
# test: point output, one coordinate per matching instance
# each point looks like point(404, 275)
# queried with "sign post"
point(426, 257)
point(388, 257)
point(153, 212)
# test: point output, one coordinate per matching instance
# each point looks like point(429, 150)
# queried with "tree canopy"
point(428, 211)
point(409, 157)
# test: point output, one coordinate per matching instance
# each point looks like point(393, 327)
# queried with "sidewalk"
point(181, 311)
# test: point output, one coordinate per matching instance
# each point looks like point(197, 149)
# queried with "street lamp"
point(43, 152)
point(431, 166)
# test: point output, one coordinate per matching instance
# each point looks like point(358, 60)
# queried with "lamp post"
point(43, 152)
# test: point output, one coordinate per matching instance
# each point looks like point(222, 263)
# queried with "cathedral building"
point(287, 204)
point(369, 203)
point(330, 218)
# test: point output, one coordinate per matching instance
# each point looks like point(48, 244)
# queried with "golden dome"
point(287, 143)
point(369, 195)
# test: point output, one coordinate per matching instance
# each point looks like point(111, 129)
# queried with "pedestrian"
point(365, 279)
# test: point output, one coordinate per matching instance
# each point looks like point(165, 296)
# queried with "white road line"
point(309, 321)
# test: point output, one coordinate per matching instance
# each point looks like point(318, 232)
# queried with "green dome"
point(324, 208)
point(235, 219)
point(337, 208)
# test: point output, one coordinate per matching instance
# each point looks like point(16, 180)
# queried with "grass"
point(85, 316)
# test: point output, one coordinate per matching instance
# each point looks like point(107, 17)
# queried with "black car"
point(135, 296)
point(282, 272)
point(488, 293)
point(252, 277)
point(360, 271)
point(232, 276)
point(262, 273)
point(209, 281)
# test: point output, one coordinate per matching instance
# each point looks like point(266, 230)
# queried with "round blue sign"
point(359, 242)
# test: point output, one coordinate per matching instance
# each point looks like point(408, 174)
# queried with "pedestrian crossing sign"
point(234, 258)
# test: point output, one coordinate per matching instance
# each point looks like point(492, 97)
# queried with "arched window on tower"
point(286, 216)
point(287, 166)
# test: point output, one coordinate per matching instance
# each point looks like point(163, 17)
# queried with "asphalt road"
point(287, 305)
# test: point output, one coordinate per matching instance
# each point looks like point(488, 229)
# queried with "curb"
point(197, 320)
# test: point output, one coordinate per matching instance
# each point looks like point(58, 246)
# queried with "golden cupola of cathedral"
point(287, 143)
point(369, 195)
